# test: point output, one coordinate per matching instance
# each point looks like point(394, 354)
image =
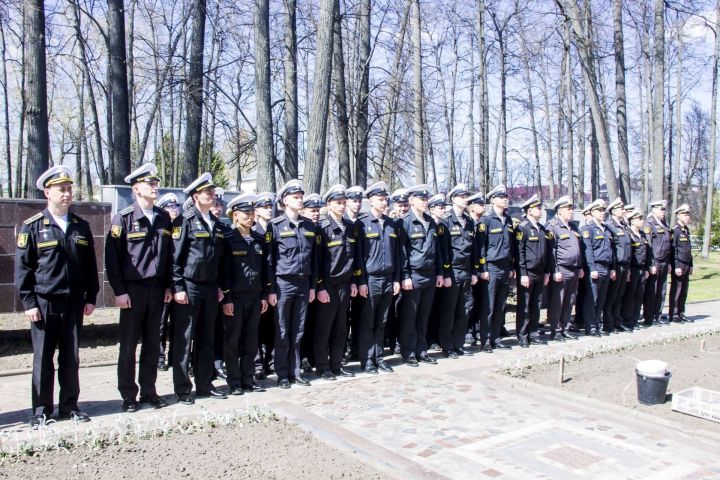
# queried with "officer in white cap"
point(264, 202)
point(496, 248)
point(57, 281)
point(478, 308)
point(168, 202)
point(198, 238)
point(292, 275)
point(355, 195)
point(245, 299)
point(138, 265)
point(622, 249)
point(437, 207)
point(682, 265)
point(311, 207)
point(660, 237)
point(400, 203)
point(641, 265)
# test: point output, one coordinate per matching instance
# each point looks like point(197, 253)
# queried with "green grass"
point(705, 280)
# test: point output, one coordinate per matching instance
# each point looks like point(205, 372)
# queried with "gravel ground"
point(611, 377)
point(273, 450)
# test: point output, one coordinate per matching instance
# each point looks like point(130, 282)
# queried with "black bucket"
point(652, 389)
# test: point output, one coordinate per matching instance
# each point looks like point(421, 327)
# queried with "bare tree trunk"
point(193, 120)
point(448, 112)
point(431, 155)
point(264, 144)
point(291, 93)
point(132, 101)
point(531, 109)
point(317, 128)
point(341, 115)
point(119, 88)
point(549, 170)
point(621, 112)
point(471, 114)
point(582, 142)
point(561, 119)
point(569, 122)
point(79, 139)
point(659, 102)
point(6, 111)
point(362, 104)
point(483, 141)
point(678, 120)
point(713, 140)
point(500, 31)
point(19, 183)
point(36, 94)
point(417, 94)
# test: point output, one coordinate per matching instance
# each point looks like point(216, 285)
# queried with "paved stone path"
point(457, 419)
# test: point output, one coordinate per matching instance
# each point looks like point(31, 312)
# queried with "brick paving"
point(458, 419)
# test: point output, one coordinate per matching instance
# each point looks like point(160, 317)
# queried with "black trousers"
point(142, 319)
point(678, 292)
point(241, 340)
point(392, 327)
point(290, 315)
point(266, 341)
point(633, 297)
point(613, 303)
point(331, 327)
point(58, 328)
point(655, 293)
point(527, 317)
point(373, 319)
point(455, 302)
point(477, 311)
point(195, 324)
point(165, 333)
point(307, 350)
point(497, 292)
point(357, 304)
point(595, 300)
point(583, 286)
point(562, 298)
point(414, 313)
point(219, 341)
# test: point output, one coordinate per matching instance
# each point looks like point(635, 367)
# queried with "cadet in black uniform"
point(292, 274)
point(463, 265)
point(660, 239)
point(422, 271)
point(613, 320)
point(198, 238)
point(532, 270)
point(600, 264)
point(497, 250)
point(400, 207)
point(339, 275)
point(566, 264)
point(311, 210)
point(168, 203)
point(380, 255)
point(478, 307)
point(355, 195)
point(641, 266)
point(247, 280)
point(266, 330)
point(583, 287)
point(682, 265)
point(218, 209)
point(57, 280)
point(138, 267)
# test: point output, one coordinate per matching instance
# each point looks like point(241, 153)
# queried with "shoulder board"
point(362, 215)
point(524, 223)
point(126, 210)
point(325, 223)
point(277, 220)
point(34, 218)
point(189, 213)
point(447, 215)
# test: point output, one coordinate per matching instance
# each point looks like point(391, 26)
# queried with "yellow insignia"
point(647, 230)
point(441, 230)
point(268, 237)
point(115, 231)
point(318, 240)
point(22, 240)
point(46, 221)
point(481, 227)
point(549, 235)
point(586, 234)
point(176, 232)
point(519, 236)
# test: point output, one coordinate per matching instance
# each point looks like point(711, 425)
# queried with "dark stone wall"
point(13, 212)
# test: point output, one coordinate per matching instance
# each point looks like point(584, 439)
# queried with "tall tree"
point(36, 93)
point(317, 128)
point(678, 118)
point(119, 91)
point(658, 110)
point(290, 140)
point(710, 187)
point(363, 100)
point(194, 92)
point(418, 129)
point(263, 129)
point(340, 100)
point(484, 121)
point(620, 101)
point(6, 109)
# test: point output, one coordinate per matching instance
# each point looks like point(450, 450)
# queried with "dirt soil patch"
point(611, 377)
point(273, 450)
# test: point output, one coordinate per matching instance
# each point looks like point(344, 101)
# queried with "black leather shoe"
point(301, 381)
point(558, 337)
point(412, 361)
point(686, 319)
point(568, 336)
point(130, 406)
point(283, 383)
point(382, 365)
point(499, 344)
point(185, 399)
point(327, 375)
point(523, 343)
point(221, 373)
point(260, 375)
point(595, 333)
point(162, 366)
point(156, 401)
point(254, 388)
point(450, 354)
point(37, 420)
point(305, 366)
point(463, 352)
point(623, 328)
point(663, 321)
point(487, 348)
point(427, 359)
point(370, 368)
point(75, 415)
point(236, 391)
point(343, 373)
point(212, 393)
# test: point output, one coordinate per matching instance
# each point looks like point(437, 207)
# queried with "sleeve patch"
point(176, 232)
point(115, 231)
point(441, 230)
point(481, 227)
point(22, 240)
point(586, 234)
point(519, 236)
point(268, 237)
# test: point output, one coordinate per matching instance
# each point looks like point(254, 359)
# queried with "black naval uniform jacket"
point(421, 253)
point(461, 246)
point(293, 249)
point(339, 253)
point(137, 250)
point(50, 262)
point(681, 256)
point(245, 271)
point(531, 242)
